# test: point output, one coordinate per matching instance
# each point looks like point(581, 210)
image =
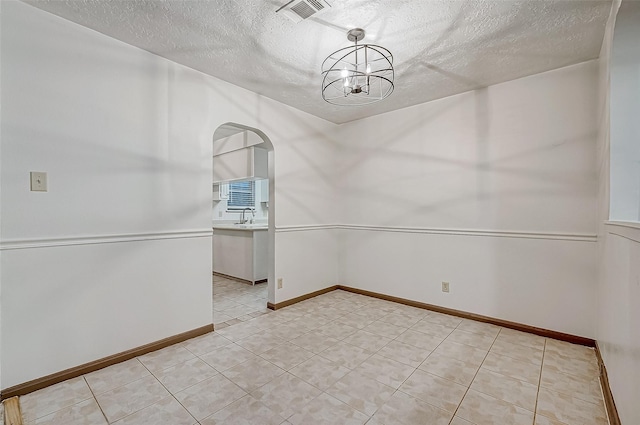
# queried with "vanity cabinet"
point(241, 253)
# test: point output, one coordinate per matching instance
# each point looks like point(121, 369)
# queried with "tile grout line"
point(95, 399)
point(474, 376)
point(416, 368)
point(167, 389)
point(535, 411)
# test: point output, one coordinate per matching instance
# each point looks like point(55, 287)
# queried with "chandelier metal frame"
point(357, 75)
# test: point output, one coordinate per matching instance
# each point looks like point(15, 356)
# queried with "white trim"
point(440, 231)
point(102, 239)
point(305, 228)
point(631, 224)
point(624, 229)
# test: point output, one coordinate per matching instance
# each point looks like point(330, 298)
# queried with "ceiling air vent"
point(299, 10)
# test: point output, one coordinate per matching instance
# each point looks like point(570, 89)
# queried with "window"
point(241, 195)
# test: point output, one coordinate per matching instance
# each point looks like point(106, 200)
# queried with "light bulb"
point(346, 82)
point(345, 73)
point(368, 68)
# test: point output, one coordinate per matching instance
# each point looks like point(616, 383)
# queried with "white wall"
point(493, 191)
point(618, 295)
point(96, 263)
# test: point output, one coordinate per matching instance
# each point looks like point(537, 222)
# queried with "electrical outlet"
point(445, 286)
point(280, 283)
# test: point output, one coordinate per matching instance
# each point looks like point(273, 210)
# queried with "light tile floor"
point(235, 302)
point(337, 359)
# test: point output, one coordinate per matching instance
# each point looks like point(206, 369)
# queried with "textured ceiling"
point(440, 48)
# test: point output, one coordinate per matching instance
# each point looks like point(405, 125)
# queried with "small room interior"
point(463, 250)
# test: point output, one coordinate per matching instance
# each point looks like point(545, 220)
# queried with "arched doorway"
point(242, 232)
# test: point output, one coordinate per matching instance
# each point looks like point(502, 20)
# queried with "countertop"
point(240, 227)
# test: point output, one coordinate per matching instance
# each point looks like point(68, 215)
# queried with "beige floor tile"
point(166, 411)
point(385, 329)
point(219, 318)
point(287, 355)
point(486, 329)
point(443, 319)
point(449, 368)
point(177, 378)
point(385, 370)
point(166, 357)
point(84, 413)
point(246, 411)
point(506, 389)
point(288, 331)
point(253, 373)
point(238, 331)
point(314, 321)
point(459, 421)
point(434, 390)
point(355, 320)
point(209, 396)
point(367, 340)
point(567, 364)
point(51, 399)
point(575, 351)
point(259, 343)
point(522, 338)
point(361, 393)
point(224, 304)
point(480, 341)
point(347, 355)
point(568, 409)
point(327, 410)
point(319, 372)
point(402, 320)
point(517, 351)
point(128, 399)
point(523, 371)
point(286, 395)
point(482, 409)
point(226, 357)
point(116, 376)
point(577, 386)
point(463, 352)
point(402, 409)
point(206, 343)
point(369, 312)
point(404, 353)
point(337, 330)
point(420, 340)
point(314, 342)
point(434, 329)
point(411, 311)
point(543, 420)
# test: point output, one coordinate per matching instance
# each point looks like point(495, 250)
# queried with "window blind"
point(241, 195)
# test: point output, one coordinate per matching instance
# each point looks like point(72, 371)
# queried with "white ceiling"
point(440, 48)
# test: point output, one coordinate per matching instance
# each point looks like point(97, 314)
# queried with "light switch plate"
point(38, 181)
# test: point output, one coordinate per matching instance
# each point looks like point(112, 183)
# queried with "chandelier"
point(357, 75)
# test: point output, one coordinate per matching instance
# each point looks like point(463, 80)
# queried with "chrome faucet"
point(242, 219)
